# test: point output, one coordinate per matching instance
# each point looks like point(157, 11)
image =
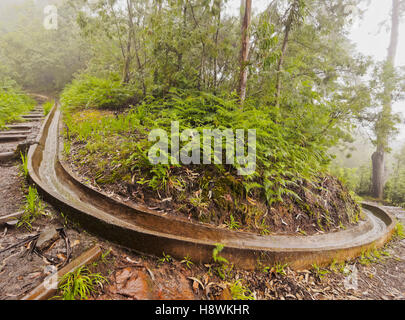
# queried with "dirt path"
point(10, 189)
point(20, 270)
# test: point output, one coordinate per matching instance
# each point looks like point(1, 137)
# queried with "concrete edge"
point(201, 252)
point(45, 291)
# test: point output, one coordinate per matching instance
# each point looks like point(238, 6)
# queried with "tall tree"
point(244, 55)
point(294, 14)
point(383, 127)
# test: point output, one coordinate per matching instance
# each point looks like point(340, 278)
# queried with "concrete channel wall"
point(147, 231)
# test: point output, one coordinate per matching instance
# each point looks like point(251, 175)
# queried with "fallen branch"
point(29, 239)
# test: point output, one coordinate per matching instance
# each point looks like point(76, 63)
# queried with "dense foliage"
point(115, 148)
point(179, 61)
point(142, 64)
point(92, 92)
point(39, 59)
point(357, 179)
point(285, 156)
point(395, 187)
point(13, 103)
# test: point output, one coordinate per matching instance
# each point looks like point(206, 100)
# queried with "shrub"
point(93, 92)
point(290, 165)
point(394, 190)
point(284, 158)
point(357, 180)
point(13, 103)
point(48, 107)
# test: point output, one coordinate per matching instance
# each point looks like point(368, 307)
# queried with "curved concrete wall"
point(147, 231)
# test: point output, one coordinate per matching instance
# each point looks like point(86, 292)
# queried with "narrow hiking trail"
point(135, 276)
point(20, 270)
point(15, 136)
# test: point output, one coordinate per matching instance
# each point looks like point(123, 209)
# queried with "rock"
point(133, 283)
point(174, 288)
point(47, 237)
point(11, 219)
point(136, 283)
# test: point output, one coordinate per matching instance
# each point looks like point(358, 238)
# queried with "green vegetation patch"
point(101, 93)
point(289, 187)
point(13, 103)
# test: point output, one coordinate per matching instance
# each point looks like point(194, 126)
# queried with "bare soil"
point(136, 277)
point(11, 195)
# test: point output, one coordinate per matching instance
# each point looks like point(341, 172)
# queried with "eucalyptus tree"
point(312, 72)
point(385, 124)
point(160, 44)
point(246, 12)
point(295, 13)
point(395, 186)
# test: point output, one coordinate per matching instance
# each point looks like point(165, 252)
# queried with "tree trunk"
point(378, 157)
point(392, 50)
point(378, 160)
point(216, 47)
point(128, 55)
point(127, 61)
point(287, 31)
point(245, 50)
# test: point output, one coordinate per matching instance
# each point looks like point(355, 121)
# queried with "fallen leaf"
point(196, 282)
point(75, 243)
point(205, 278)
point(195, 287)
point(61, 256)
point(151, 274)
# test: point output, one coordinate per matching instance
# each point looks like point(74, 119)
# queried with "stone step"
point(20, 127)
point(34, 115)
point(6, 156)
point(12, 138)
point(27, 116)
point(31, 119)
point(7, 133)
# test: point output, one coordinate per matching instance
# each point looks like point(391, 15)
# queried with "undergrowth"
point(33, 208)
point(79, 285)
point(48, 107)
point(399, 231)
point(291, 168)
point(239, 291)
point(370, 256)
point(93, 92)
point(24, 165)
point(13, 103)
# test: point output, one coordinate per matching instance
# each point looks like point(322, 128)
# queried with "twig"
point(20, 243)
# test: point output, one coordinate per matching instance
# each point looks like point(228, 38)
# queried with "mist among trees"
point(292, 61)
